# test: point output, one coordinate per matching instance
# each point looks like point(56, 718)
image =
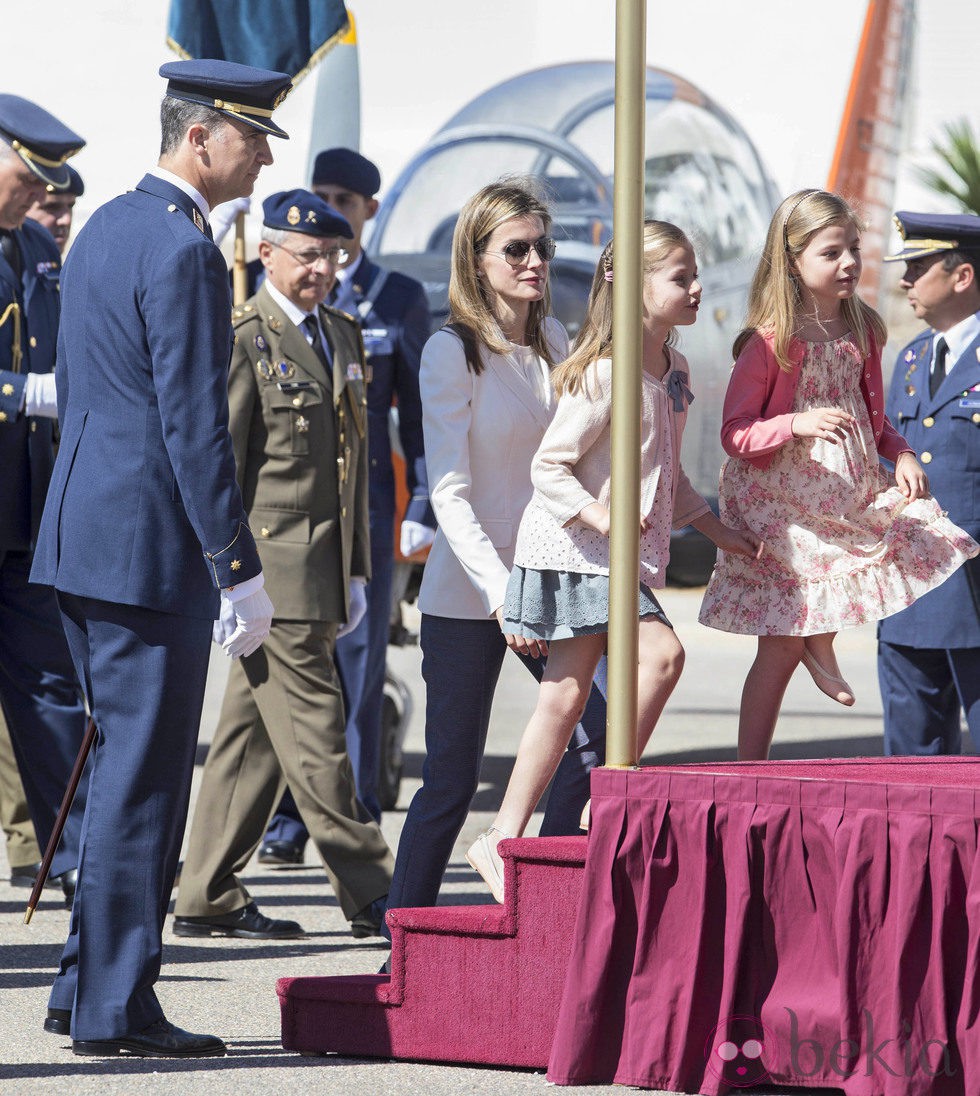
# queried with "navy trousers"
point(42, 702)
point(461, 662)
point(144, 674)
point(923, 690)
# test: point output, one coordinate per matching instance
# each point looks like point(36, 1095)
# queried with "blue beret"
point(347, 168)
point(41, 141)
point(237, 91)
point(301, 211)
point(932, 233)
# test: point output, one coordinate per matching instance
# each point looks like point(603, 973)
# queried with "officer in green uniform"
point(298, 423)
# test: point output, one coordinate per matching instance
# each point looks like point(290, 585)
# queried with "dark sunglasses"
point(517, 251)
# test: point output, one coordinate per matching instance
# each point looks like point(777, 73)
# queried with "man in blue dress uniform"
point(929, 654)
point(394, 317)
point(143, 529)
point(55, 210)
point(39, 691)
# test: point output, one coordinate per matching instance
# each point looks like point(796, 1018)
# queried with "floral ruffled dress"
point(843, 544)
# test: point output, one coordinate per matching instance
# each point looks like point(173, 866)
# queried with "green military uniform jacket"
point(300, 442)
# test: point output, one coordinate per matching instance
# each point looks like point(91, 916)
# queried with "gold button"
point(297, 401)
point(975, 416)
point(343, 511)
point(265, 531)
point(33, 342)
point(236, 564)
point(8, 389)
point(928, 421)
point(33, 427)
point(3, 416)
point(926, 458)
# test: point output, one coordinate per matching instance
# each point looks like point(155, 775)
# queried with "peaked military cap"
point(347, 168)
point(38, 138)
point(301, 211)
point(932, 233)
point(75, 185)
point(237, 91)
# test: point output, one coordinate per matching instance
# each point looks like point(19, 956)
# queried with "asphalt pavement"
point(228, 986)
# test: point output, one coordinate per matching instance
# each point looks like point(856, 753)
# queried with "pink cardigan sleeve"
point(746, 432)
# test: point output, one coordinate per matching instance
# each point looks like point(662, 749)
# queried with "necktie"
point(938, 374)
point(10, 250)
point(312, 329)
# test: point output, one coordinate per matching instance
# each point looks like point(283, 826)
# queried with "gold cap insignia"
point(293, 216)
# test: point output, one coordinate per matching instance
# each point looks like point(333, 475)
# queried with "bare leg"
point(561, 699)
point(821, 662)
point(762, 694)
point(564, 690)
point(661, 659)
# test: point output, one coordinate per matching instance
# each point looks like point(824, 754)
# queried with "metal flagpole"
point(626, 381)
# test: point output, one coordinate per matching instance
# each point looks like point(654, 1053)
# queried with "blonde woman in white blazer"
point(486, 402)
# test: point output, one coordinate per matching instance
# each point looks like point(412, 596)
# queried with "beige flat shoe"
point(483, 857)
point(835, 687)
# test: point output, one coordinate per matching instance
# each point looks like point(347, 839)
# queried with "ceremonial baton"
point(59, 822)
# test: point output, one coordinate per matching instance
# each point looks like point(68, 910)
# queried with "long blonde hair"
point(774, 297)
point(594, 340)
point(470, 314)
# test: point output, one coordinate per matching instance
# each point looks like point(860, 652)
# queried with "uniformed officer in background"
point(145, 538)
point(39, 691)
point(929, 654)
point(55, 210)
point(394, 317)
point(298, 423)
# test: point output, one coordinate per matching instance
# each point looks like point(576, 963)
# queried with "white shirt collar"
point(346, 272)
point(182, 184)
point(296, 315)
point(958, 338)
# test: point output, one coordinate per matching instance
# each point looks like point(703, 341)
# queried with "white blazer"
point(481, 434)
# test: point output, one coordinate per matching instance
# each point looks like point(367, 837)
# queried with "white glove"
point(357, 606)
point(415, 536)
point(41, 395)
point(223, 216)
point(253, 619)
point(226, 623)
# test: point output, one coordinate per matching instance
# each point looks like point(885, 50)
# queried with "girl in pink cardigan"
point(558, 595)
point(804, 426)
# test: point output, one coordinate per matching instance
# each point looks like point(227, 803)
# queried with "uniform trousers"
point(42, 702)
point(282, 717)
point(15, 818)
point(461, 662)
point(923, 690)
point(144, 674)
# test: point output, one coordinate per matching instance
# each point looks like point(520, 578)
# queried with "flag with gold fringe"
point(283, 35)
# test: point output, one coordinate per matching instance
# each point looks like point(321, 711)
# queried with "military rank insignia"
point(198, 219)
point(264, 369)
point(260, 343)
point(285, 370)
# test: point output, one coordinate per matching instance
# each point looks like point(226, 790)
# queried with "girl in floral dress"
point(558, 594)
point(804, 426)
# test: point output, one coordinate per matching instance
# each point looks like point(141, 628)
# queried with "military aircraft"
point(702, 173)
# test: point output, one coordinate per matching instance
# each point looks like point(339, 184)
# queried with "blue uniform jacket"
point(395, 330)
point(944, 430)
point(26, 446)
point(144, 508)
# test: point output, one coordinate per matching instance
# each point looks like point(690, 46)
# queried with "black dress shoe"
point(68, 881)
point(25, 875)
point(58, 1021)
point(247, 923)
point(367, 922)
point(160, 1040)
point(281, 853)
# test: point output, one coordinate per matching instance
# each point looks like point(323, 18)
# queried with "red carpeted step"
point(468, 983)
